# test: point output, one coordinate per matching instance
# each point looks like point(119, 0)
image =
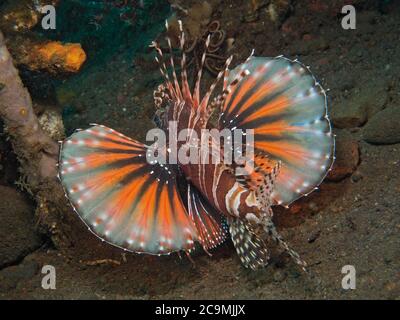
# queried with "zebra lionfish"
point(158, 209)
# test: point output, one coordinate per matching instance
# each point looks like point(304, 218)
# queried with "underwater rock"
point(65, 96)
point(374, 97)
point(18, 236)
point(305, 46)
point(10, 277)
point(333, 7)
point(8, 161)
point(348, 114)
point(18, 16)
point(28, 49)
point(22, 15)
point(279, 276)
point(362, 106)
point(356, 176)
point(384, 127)
point(347, 157)
point(195, 21)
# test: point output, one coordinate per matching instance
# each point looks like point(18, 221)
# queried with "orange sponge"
point(68, 57)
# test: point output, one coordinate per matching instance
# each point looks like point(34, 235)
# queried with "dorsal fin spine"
point(185, 85)
point(196, 92)
point(163, 69)
point(177, 87)
point(232, 85)
point(206, 98)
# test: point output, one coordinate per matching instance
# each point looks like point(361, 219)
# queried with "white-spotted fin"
point(123, 198)
point(209, 222)
point(285, 106)
point(269, 228)
point(250, 248)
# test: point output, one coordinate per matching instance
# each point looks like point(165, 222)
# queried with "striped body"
point(220, 187)
point(215, 181)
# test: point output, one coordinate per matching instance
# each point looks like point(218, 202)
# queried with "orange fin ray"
point(126, 201)
point(286, 107)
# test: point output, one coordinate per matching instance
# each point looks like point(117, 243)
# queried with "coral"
point(23, 185)
point(278, 10)
point(36, 151)
point(198, 28)
point(68, 57)
point(198, 17)
point(51, 122)
point(51, 56)
point(252, 12)
point(29, 49)
point(19, 16)
point(214, 61)
point(22, 15)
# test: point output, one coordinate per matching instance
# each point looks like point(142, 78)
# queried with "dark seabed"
point(353, 219)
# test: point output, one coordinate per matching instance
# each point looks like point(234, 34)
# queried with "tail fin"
point(281, 100)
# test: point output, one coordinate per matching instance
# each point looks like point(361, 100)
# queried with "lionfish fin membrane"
point(281, 101)
point(210, 224)
point(251, 175)
point(250, 248)
point(121, 197)
point(266, 188)
point(270, 230)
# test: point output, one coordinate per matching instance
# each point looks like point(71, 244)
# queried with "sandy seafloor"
point(354, 219)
